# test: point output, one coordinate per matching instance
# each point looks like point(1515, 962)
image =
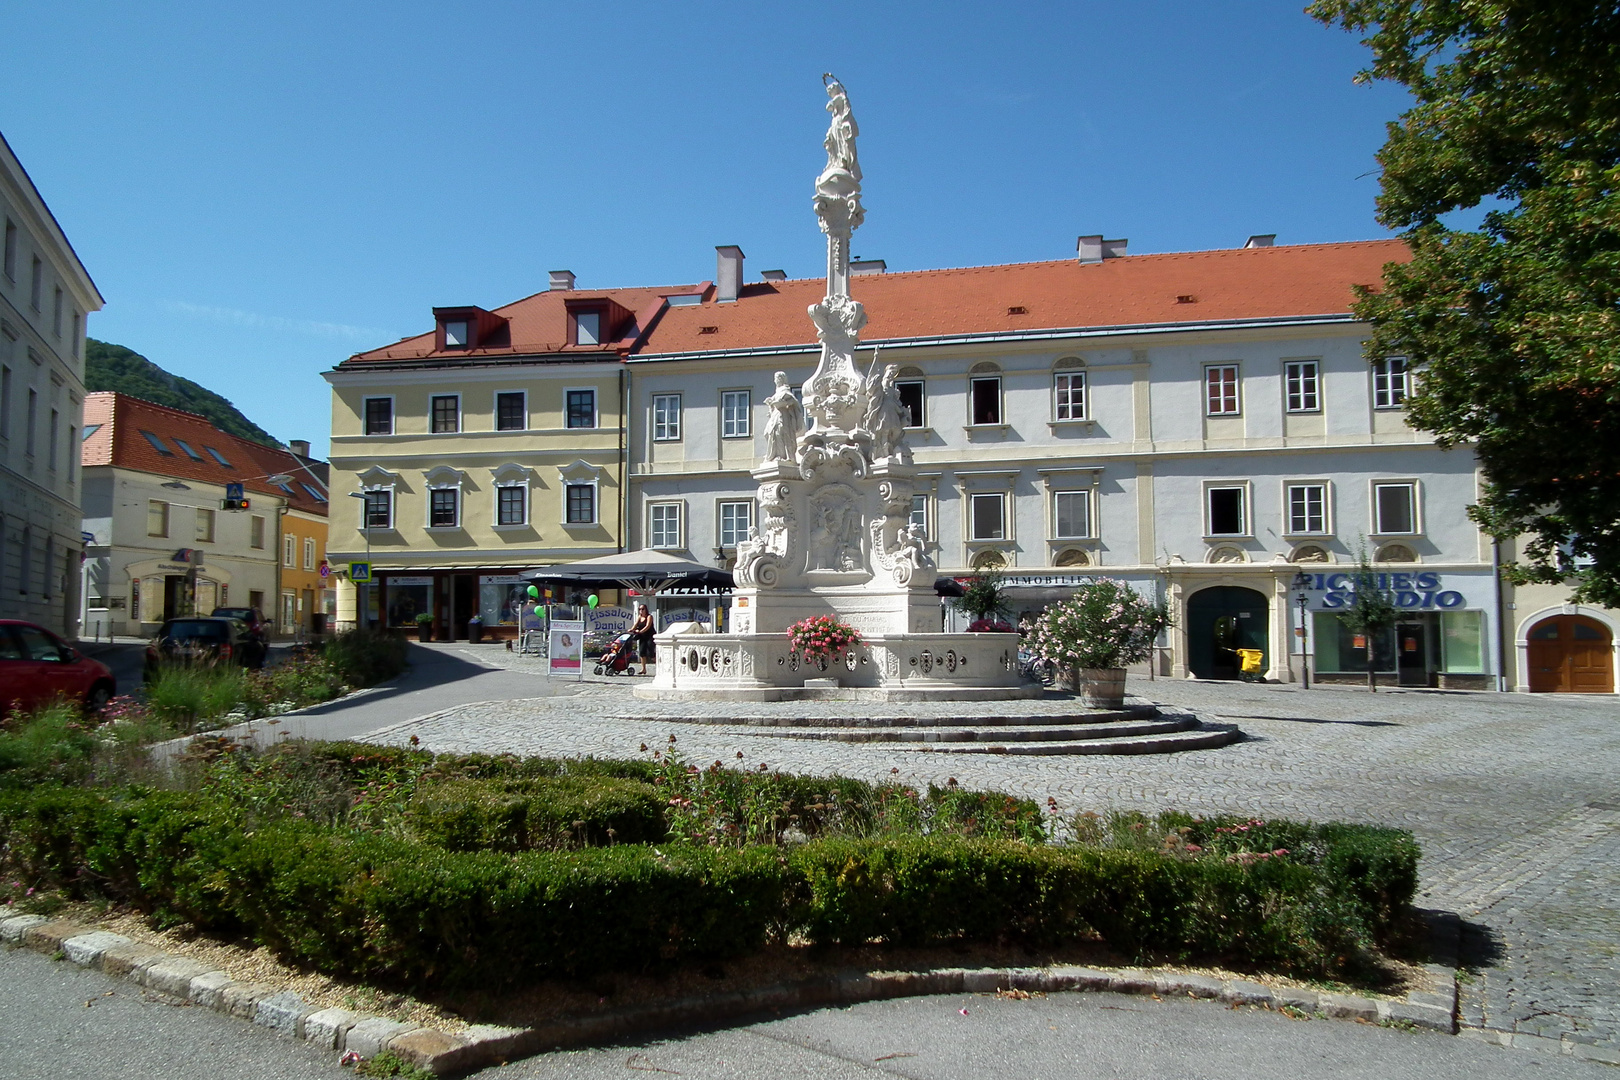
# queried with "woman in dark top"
point(643, 629)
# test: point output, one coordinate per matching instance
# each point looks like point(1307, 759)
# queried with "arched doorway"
point(1220, 621)
point(1571, 654)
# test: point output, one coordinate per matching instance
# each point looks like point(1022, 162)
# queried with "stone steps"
point(1000, 734)
point(976, 719)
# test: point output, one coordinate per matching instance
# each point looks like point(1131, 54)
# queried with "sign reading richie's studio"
point(1408, 591)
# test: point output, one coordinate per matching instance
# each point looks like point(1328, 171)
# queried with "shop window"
point(379, 416)
point(446, 410)
point(912, 393)
point(1304, 387)
point(736, 518)
point(1462, 642)
point(581, 408)
point(512, 505)
point(1307, 509)
point(666, 416)
point(511, 410)
point(1071, 514)
point(1394, 509)
point(1391, 382)
point(1069, 396)
point(988, 516)
point(1339, 649)
point(664, 525)
point(1221, 390)
point(1227, 511)
point(734, 406)
point(984, 400)
point(580, 500)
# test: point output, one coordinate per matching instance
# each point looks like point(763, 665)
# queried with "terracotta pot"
point(1101, 688)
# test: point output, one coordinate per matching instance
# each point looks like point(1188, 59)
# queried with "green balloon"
point(534, 592)
point(591, 600)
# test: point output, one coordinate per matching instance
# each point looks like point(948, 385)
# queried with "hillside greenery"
point(113, 367)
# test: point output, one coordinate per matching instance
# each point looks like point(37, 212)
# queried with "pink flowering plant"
point(822, 637)
point(1106, 624)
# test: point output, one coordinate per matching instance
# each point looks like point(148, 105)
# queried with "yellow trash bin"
point(1250, 660)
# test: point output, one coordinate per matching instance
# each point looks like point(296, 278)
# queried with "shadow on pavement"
point(1318, 720)
point(428, 668)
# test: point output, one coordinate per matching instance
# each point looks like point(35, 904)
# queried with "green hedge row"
point(544, 813)
point(414, 912)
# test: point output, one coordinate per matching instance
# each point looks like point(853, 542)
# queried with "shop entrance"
point(175, 600)
point(1220, 621)
point(1412, 654)
point(1571, 654)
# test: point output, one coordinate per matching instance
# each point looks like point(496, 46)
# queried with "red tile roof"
point(119, 440)
point(1192, 287)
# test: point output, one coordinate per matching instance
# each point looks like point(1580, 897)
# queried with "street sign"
point(360, 573)
point(326, 571)
point(87, 538)
point(234, 492)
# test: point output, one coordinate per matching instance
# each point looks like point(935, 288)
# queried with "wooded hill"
point(115, 368)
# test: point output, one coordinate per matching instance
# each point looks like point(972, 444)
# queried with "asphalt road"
point(48, 1031)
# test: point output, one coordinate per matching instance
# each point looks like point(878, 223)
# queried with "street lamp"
point(1302, 588)
point(365, 527)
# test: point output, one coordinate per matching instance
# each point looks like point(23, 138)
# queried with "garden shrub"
point(52, 744)
point(365, 657)
point(547, 813)
point(195, 697)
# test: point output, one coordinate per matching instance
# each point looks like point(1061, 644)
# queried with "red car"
point(36, 666)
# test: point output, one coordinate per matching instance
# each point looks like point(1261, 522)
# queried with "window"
point(988, 516)
point(31, 422)
point(1307, 509)
point(512, 505)
point(666, 417)
point(311, 492)
point(911, 392)
point(588, 330)
point(1221, 390)
point(50, 566)
point(1227, 512)
point(309, 553)
point(190, 453)
point(379, 416)
point(157, 444)
point(581, 504)
point(157, 518)
point(25, 573)
point(919, 512)
point(1071, 514)
point(984, 400)
point(1394, 508)
point(735, 520)
point(1069, 395)
point(217, 456)
point(581, 406)
point(5, 403)
point(205, 526)
point(446, 409)
point(54, 429)
point(256, 533)
point(36, 289)
point(511, 411)
point(455, 334)
point(734, 414)
point(1303, 384)
point(56, 312)
point(443, 508)
point(73, 453)
point(11, 249)
point(379, 510)
point(76, 344)
point(289, 550)
point(1391, 382)
point(664, 525)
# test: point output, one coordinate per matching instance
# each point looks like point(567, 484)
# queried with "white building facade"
point(45, 296)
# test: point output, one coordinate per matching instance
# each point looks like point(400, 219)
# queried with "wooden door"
point(1571, 654)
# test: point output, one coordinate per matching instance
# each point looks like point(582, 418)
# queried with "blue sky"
point(262, 190)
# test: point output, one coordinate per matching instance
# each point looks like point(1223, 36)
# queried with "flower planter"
point(475, 633)
point(1101, 688)
point(424, 631)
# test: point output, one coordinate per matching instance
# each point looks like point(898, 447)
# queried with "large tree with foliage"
point(1514, 329)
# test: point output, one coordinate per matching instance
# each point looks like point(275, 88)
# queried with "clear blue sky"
point(261, 190)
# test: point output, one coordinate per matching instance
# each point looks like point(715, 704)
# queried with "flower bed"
point(821, 638)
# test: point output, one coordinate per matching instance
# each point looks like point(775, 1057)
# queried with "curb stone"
point(484, 1045)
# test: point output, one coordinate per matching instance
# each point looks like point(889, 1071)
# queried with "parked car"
point(200, 640)
point(37, 666)
point(257, 624)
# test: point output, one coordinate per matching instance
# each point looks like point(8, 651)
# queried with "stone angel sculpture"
point(886, 416)
point(784, 421)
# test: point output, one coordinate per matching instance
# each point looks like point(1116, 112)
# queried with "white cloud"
point(236, 317)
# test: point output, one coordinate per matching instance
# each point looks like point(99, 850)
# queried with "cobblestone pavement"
point(1515, 799)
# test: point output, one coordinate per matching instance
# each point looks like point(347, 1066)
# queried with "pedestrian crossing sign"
point(360, 573)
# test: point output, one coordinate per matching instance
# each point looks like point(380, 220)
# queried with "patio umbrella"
point(640, 571)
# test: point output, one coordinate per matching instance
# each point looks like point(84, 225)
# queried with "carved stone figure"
point(886, 416)
point(835, 530)
point(784, 422)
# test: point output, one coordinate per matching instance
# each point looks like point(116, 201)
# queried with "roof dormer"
point(464, 328)
point(596, 321)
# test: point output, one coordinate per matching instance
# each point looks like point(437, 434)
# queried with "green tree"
point(1513, 328)
point(1371, 612)
point(113, 367)
point(985, 596)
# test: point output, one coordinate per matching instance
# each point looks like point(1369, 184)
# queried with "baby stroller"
point(618, 655)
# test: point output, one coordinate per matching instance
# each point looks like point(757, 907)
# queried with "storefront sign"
point(1408, 591)
point(1038, 581)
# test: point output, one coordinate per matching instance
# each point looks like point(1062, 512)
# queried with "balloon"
point(534, 593)
point(592, 600)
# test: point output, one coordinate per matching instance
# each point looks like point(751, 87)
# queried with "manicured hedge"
point(544, 813)
point(416, 912)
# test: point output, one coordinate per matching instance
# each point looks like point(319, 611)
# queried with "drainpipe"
point(1501, 611)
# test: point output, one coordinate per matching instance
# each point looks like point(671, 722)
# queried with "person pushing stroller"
point(642, 630)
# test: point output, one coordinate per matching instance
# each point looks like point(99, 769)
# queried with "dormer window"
point(471, 328)
point(588, 328)
point(455, 335)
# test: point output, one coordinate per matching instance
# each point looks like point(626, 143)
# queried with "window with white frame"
point(587, 328)
point(1069, 395)
point(1391, 382)
point(1071, 514)
point(1395, 508)
point(736, 518)
point(1307, 509)
point(511, 410)
point(512, 504)
point(579, 504)
point(1303, 381)
point(984, 399)
point(157, 518)
point(734, 414)
point(379, 416)
point(289, 551)
point(309, 553)
point(1221, 390)
point(912, 394)
point(666, 417)
point(580, 408)
point(446, 410)
point(919, 513)
point(1227, 511)
point(664, 525)
point(444, 508)
point(379, 509)
point(987, 516)
point(455, 334)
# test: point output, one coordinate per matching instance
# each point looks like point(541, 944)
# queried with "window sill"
point(973, 430)
point(442, 528)
point(1395, 536)
point(1226, 538)
point(735, 438)
point(1071, 541)
point(1058, 425)
point(1223, 415)
point(581, 524)
point(1302, 412)
point(997, 542)
point(511, 526)
point(1308, 536)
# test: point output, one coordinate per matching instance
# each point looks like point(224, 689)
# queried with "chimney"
point(1114, 249)
point(299, 447)
point(773, 275)
point(728, 273)
point(562, 281)
point(1262, 240)
point(1094, 249)
point(861, 267)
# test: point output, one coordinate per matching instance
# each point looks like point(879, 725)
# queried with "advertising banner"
point(567, 653)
